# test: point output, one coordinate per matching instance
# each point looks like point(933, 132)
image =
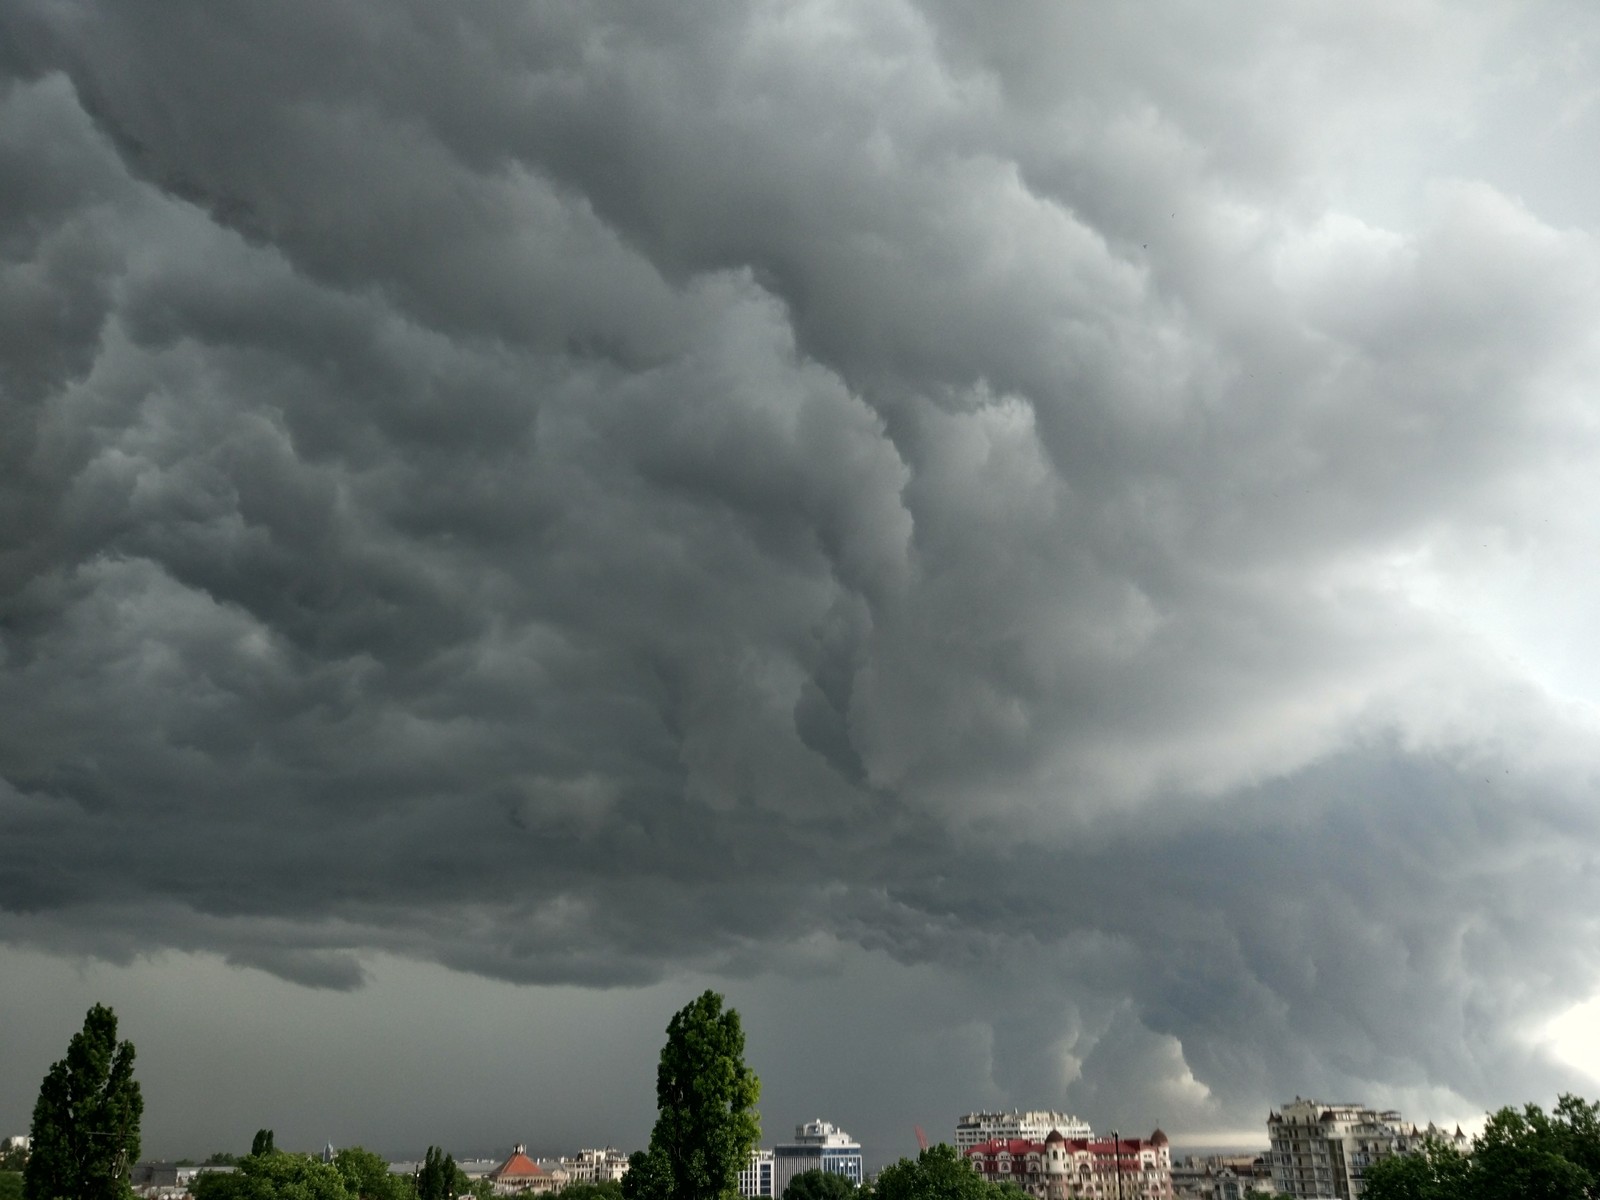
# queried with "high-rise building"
point(1323, 1150)
point(756, 1179)
point(817, 1146)
point(978, 1127)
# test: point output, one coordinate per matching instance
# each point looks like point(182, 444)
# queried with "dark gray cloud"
point(1067, 531)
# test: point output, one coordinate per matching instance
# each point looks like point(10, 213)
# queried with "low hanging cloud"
point(1092, 504)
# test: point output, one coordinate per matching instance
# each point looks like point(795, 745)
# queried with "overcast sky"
point(1047, 550)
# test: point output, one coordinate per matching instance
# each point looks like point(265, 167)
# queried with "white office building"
point(978, 1127)
point(756, 1178)
point(817, 1146)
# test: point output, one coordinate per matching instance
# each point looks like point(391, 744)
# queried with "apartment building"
point(596, 1166)
point(1321, 1151)
point(978, 1127)
point(1063, 1168)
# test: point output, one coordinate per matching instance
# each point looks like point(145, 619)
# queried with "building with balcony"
point(978, 1127)
point(1321, 1151)
point(1063, 1168)
point(596, 1166)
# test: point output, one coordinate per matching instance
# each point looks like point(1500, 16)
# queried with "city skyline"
point(1046, 552)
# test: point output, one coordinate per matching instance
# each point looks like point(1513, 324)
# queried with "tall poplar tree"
point(436, 1178)
point(706, 1119)
point(86, 1121)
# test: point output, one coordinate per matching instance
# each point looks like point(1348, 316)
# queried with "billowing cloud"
point(1087, 508)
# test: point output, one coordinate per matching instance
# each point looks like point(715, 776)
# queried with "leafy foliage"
point(1437, 1173)
point(938, 1173)
point(706, 1119)
point(649, 1176)
point(817, 1184)
point(366, 1176)
point(1526, 1155)
point(262, 1142)
point(436, 1178)
point(10, 1185)
point(275, 1175)
point(86, 1121)
point(609, 1189)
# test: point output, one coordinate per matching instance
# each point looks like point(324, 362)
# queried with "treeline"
point(1520, 1155)
point(267, 1173)
point(938, 1173)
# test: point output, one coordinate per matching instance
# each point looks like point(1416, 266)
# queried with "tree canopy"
point(1436, 1173)
point(366, 1177)
point(1520, 1155)
point(583, 1189)
point(436, 1178)
point(706, 1120)
point(817, 1184)
point(275, 1175)
point(938, 1173)
point(86, 1121)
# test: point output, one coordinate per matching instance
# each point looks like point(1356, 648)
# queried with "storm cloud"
point(1089, 507)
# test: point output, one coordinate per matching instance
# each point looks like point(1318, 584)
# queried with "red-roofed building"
point(520, 1175)
point(1063, 1168)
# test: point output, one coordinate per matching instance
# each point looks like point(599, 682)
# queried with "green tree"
point(366, 1176)
point(1437, 1172)
point(86, 1121)
point(817, 1184)
point(262, 1142)
point(649, 1176)
point(706, 1119)
point(436, 1178)
point(10, 1185)
point(609, 1189)
point(938, 1173)
point(275, 1176)
point(1523, 1156)
point(1574, 1132)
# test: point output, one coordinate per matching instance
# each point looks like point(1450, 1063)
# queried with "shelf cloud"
point(1087, 508)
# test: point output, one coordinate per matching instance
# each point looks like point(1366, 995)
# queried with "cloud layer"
point(1090, 504)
